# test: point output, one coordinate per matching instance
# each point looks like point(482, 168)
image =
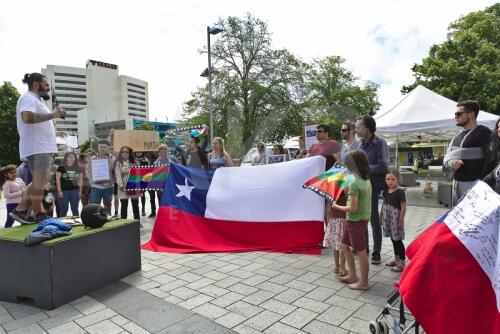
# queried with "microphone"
point(55, 102)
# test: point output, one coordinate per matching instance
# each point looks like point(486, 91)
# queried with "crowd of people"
point(38, 185)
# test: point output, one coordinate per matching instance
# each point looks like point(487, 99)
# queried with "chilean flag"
point(452, 284)
point(254, 208)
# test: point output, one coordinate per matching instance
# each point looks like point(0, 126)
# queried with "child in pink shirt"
point(13, 188)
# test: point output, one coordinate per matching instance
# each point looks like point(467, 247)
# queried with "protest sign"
point(310, 135)
point(100, 170)
point(138, 140)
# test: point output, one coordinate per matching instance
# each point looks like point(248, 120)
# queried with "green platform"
point(18, 233)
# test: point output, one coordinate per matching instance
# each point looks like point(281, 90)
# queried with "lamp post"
point(210, 31)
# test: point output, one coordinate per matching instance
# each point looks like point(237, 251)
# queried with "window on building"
point(135, 85)
point(136, 91)
point(137, 103)
point(137, 115)
point(136, 97)
point(74, 89)
point(72, 95)
point(70, 82)
point(73, 102)
point(71, 75)
point(136, 109)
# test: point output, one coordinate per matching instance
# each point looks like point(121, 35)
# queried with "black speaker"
point(93, 216)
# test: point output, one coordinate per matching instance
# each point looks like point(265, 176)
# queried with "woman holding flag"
point(124, 161)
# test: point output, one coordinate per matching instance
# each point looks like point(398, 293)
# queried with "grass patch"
point(18, 233)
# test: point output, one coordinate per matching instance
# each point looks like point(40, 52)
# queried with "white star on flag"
point(185, 190)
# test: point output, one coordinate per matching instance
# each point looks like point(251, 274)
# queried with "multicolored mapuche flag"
point(147, 178)
point(331, 183)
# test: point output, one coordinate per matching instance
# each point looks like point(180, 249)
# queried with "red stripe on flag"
point(180, 232)
point(445, 288)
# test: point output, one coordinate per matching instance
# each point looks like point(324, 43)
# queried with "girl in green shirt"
point(358, 211)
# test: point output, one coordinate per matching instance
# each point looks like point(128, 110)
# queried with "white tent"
point(423, 115)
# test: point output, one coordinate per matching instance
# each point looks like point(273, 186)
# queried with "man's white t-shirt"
point(34, 138)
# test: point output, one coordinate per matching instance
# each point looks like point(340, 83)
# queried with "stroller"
point(385, 321)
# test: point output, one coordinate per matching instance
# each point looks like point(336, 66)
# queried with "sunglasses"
point(320, 131)
point(344, 130)
point(163, 149)
point(459, 113)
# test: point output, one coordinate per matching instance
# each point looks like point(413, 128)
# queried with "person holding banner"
point(124, 161)
point(100, 174)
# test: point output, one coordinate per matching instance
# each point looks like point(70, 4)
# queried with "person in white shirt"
point(37, 143)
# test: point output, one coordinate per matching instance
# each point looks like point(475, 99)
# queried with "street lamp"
point(210, 31)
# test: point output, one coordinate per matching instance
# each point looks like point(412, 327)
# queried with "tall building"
point(97, 98)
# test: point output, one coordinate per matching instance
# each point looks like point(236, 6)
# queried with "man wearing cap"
point(37, 144)
point(102, 187)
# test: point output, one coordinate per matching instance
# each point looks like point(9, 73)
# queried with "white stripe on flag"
point(266, 193)
point(475, 221)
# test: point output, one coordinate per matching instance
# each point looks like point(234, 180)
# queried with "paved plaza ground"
point(255, 292)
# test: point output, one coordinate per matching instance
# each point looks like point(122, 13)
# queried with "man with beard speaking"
point(37, 143)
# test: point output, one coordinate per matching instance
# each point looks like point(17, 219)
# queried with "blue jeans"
point(106, 195)
point(70, 197)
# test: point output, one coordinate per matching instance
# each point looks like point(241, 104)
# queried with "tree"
point(146, 126)
point(255, 87)
point(9, 140)
point(333, 91)
point(92, 143)
point(467, 64)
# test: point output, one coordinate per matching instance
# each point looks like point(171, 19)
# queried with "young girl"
point(392, 215)
point(358, 209)
point(13, 188)
point(124, 161)
point(69, 183)
point(333, 236)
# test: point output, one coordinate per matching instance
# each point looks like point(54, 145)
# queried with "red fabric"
point(445, 288)
point(354, 234)
point(427, 236)
point(180, 232)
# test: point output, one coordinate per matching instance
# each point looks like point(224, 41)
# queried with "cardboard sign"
point(138, 140)
point(310, 132)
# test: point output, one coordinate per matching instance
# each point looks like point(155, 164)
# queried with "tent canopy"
point(423, 115)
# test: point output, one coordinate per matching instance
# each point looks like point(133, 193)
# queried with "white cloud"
point(158, 41)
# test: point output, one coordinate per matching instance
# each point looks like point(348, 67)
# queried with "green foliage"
point(146, 126)
point(9, 137)
point(467, 64)
point(92, 143)
point(261, 93)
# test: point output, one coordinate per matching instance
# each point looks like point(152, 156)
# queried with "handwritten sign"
point(273, 159)
point(100, 170)
point(138, 140)
point(475, 221)
point(310, 131)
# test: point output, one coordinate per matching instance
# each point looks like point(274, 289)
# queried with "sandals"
point(398, 268)
point(343, 272)
point(336, 269)
point(392, 263)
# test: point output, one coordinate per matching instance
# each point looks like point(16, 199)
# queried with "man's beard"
point(44, 94)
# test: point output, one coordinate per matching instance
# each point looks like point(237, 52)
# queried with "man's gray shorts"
point(39, 162)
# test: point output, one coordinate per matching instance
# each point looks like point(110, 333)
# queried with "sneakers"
point(22, 217)
point(376, 258)
point(143, 211)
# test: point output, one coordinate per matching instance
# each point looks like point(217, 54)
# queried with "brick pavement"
point(206, 293)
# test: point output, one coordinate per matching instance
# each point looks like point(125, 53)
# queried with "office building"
point(97, 98)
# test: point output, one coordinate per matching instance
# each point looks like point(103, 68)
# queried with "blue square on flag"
point(186, 189)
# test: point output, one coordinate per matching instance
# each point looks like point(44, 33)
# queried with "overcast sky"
point(159, 41)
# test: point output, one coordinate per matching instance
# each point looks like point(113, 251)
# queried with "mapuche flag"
point(331, 183)
point(452, 283)
point(147, 178)
point(257, 208)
